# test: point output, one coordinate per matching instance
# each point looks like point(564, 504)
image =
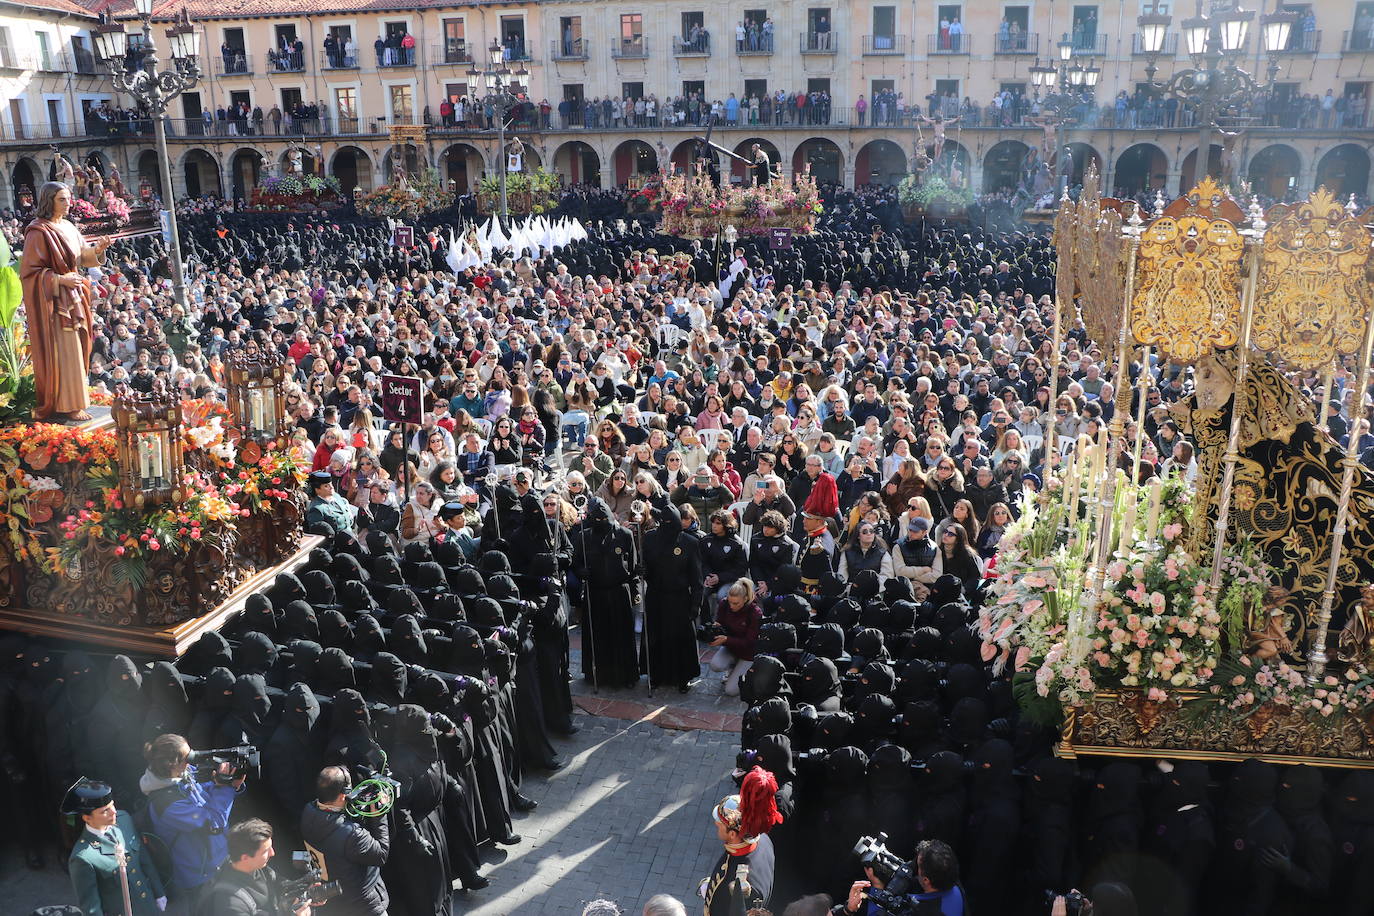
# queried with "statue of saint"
point(57, 301)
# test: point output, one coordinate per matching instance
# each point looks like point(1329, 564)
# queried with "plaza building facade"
point(331, 77)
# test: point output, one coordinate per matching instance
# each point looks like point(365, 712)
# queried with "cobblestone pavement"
point(626, 819)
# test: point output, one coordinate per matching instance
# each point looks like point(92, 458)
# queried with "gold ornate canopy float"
point(1243, 297)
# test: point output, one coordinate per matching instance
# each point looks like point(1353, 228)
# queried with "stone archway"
point(954, 154)
point(25, 179)
point(739, 171)
point(1189, 173)
point(462, 165)
point(879, 162)
point(1003, 164)
point(1274, 170)
point(245, 170)
point(310, 159)
point(150, 169)
point(578, 163)
point(1081, 155)
point(407, 156)
point(681, 157)
point(352, 166)
point(1344, 170)
point(200, 173)
point(1140, 168)
point(823, 156)
point(633, 158)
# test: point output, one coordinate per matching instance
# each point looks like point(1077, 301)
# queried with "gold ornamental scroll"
point(1101, 277)
point(1313, 300)
point(1187, 296)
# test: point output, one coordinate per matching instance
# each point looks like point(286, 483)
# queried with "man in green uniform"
point(326, 506)
point(107, 846)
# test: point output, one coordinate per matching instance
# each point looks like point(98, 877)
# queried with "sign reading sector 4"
point(401, 399)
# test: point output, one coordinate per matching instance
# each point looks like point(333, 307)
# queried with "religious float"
point(301, 193)
point(693, 207)
point(142, 530)
point(1197, 621)
point(408, 196)
point(101, 205)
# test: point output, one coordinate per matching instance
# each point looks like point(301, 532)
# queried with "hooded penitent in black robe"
point(1181, 837)
point(604, 558)
point(544, 553)
point(1249, 825)
point(672, 572)
point(467, 656)
point(993, 823)
point(294, 754)
point(417, 871)
point(113, 729)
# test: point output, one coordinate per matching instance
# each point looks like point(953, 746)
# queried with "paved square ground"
point(626, 819)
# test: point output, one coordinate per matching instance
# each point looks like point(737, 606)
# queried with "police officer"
point(108, 844)
point(326, 506)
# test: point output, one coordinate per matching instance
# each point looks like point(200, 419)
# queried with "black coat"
point(672, 598)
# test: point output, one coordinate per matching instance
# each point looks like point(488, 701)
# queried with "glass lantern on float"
point(152, 463)
point(257, 395)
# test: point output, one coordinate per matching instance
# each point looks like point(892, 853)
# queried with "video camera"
point(241, 759)
point(873, 853)
point(308, 889)
point(374, 794)
point(1073, 902)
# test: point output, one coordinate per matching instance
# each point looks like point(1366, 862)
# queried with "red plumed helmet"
point(824, 501)
point(758, 798)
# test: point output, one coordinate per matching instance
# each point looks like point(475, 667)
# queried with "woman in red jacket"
point(739, 615)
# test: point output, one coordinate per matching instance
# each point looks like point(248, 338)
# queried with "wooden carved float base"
point(165, 642)
point(1122, 723)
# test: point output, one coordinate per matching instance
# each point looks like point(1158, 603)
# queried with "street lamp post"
point(155, 89)
point(1214, 84)
point(503, 87)
point(1066, 85)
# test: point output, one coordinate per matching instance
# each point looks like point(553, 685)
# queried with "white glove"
point(161, 903)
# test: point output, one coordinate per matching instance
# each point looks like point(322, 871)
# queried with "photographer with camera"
point(247, 885)
point(351, 852)
point(890, 889)
point(187, 816)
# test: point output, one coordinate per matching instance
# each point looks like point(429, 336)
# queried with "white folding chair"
point(710, 438)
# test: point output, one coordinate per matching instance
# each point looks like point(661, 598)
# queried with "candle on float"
point(1128, 523)
point(1100, 454)
point(145, 459)
point(1152, 518)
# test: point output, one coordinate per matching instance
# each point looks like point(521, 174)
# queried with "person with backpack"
point(189, 818)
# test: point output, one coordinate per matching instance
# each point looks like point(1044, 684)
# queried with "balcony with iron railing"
point(569, 49)
point(819, 42)
point(630, 48)
point(235, 63)
point(692, 47)
point(758, 44)
point(450, 53)
point(1170, 48)
point(81, 62)
point(282, 62)
point(1299, 42)
point(398, 58)
point(885, 44)
point(518, 52)
point(340, 60)
point(1090, 44)
point(958, 43)
point(1017, 43)
point(1357, 42)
